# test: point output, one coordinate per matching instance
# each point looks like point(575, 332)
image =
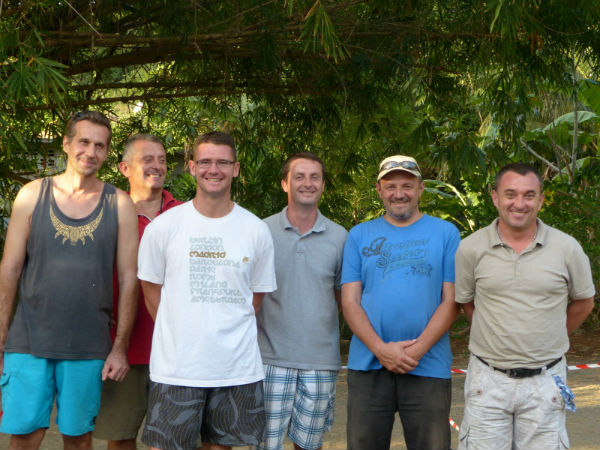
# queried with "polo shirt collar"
point(542, 233)
point(494, 237)
point(168, 199)
point(492, 233)
point(319, 226)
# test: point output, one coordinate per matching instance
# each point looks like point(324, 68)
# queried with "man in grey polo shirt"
point(525, 286)
point(298, 331)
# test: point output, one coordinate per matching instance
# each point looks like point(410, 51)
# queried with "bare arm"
point(13, 257)
point(151, 297)
point(391, 355)
point(338, 298)
point(577, 311)
point(116, 365)
point(440, 322)
point(468, 309)
point(257, 298)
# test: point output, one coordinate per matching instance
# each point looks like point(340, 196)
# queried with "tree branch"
point(209, 91)
point(537, 155)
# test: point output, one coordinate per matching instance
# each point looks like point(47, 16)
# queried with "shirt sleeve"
point(581, 283)
point(352, 265)
point(338, 273)
point(465, 276)
point(263, 273)
point(151, 256)
point(450, 246)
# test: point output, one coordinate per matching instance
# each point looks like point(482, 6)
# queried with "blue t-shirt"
point(401, 270)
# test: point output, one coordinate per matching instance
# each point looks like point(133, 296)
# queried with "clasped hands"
point(399, 356)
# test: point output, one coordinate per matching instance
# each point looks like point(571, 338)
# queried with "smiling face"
point(145, 166)
point(215, 179)
point(304, 184)
point(400, 193)
point(87, 149)
point(518, 199)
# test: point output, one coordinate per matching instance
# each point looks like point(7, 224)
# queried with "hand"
point(415, 351)
point(115, 366)
point(394, 357)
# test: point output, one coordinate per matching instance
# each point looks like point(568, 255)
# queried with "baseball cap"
point(399, 162)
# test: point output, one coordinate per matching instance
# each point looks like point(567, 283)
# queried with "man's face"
point(400, 193)
point(87, 150)
point(146, 167)
point(304, 184)
point(518, 199)
point(214, 168)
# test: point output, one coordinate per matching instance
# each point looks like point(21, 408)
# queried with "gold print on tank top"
point(74, 234)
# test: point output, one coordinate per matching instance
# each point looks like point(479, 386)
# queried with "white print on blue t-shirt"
point(401, 271)
point(412, 255)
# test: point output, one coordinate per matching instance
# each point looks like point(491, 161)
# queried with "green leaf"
point(568, 119)
point(589, 94)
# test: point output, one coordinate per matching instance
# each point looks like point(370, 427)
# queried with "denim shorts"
point(29, 385)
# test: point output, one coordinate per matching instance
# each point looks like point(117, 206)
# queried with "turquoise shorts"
point(29, 385)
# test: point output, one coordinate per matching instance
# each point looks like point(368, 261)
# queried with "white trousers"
point(503, 413)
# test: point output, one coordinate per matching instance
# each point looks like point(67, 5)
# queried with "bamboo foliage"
point(451, 82)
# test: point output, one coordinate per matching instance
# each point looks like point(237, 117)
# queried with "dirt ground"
point(582, 425)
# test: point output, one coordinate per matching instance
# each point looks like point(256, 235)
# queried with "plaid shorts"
point(300, 402)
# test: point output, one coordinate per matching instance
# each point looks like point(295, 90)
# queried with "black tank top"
point(65, 291)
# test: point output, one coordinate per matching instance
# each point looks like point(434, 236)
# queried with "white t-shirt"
point(205, 331)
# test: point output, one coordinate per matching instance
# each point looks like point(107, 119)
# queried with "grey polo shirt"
point(298, 323)
point(521, 299)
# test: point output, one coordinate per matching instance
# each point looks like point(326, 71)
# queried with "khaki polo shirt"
point(521, 299)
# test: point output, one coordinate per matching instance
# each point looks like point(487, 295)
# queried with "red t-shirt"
point(141, 336)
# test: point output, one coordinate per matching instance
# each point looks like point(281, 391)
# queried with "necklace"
point(504, 243)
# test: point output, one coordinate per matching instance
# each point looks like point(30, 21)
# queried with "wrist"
point(378, 348)
point(119, 347)
point(418, 349)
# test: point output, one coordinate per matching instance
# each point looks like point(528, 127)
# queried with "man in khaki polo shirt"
point(525, 286)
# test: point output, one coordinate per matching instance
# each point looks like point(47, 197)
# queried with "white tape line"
point(453, 424)
point(584, 366)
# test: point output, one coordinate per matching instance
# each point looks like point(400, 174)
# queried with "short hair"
point(285, 169)
point(92, 116)
point(521, 169)
point(128, 147)
point(217, 138)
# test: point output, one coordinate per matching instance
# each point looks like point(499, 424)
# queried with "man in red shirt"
point(124, 404)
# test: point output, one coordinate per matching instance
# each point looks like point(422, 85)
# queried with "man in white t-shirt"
point(204, 268)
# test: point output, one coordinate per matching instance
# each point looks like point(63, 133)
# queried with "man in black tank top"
point(64, 237)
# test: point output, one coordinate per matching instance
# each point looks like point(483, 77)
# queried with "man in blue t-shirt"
point(398, 298)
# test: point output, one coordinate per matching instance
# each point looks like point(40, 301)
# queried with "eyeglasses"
point(409, 165)
point(207, 163)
